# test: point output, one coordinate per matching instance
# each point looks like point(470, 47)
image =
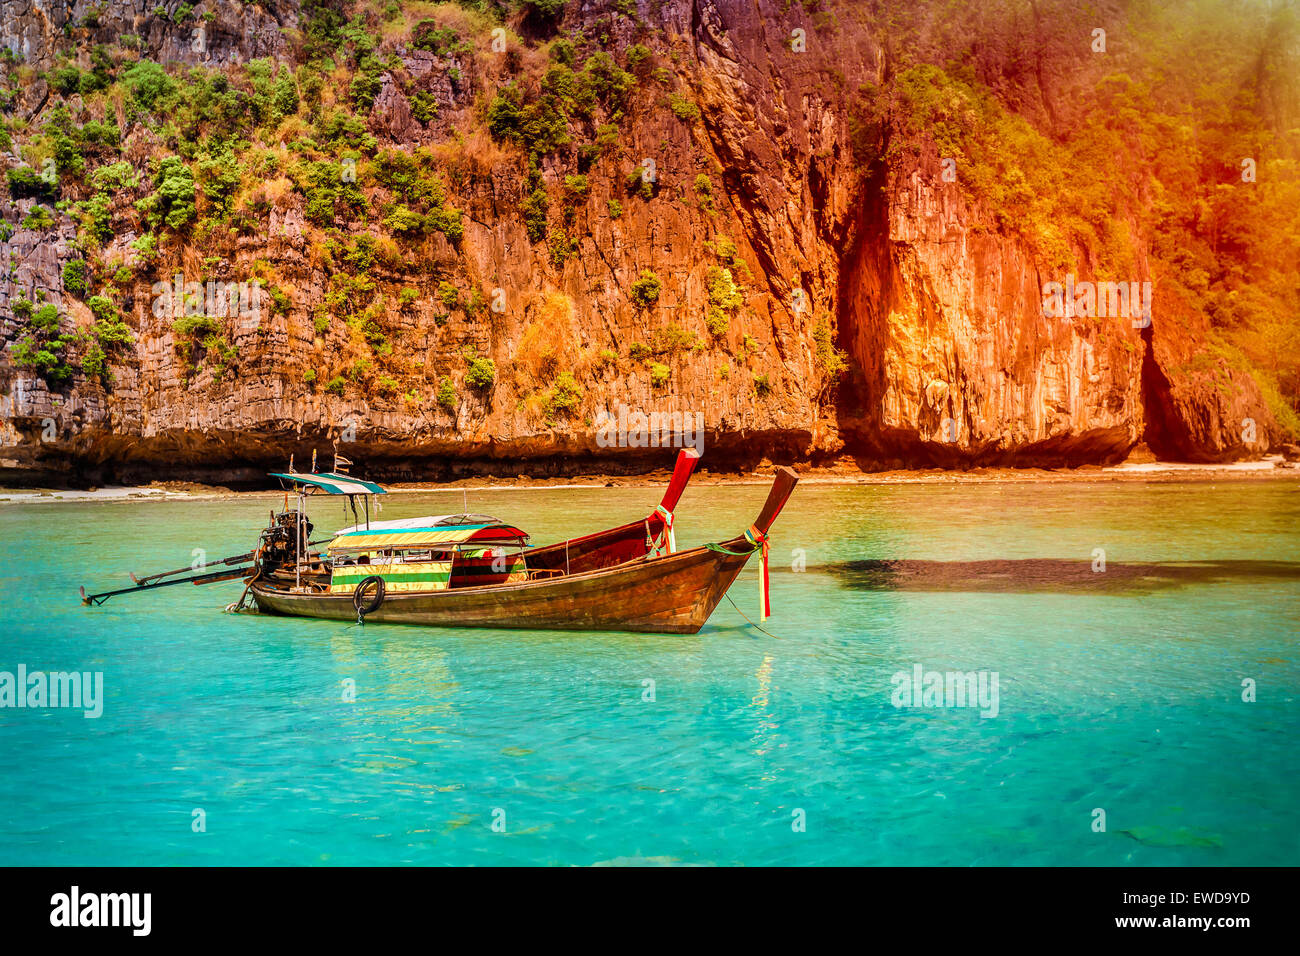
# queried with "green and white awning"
point(332, 484)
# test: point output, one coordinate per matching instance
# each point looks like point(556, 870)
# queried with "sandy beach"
point(1267, 469)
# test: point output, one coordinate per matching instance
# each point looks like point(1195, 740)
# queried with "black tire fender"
point(359, 601)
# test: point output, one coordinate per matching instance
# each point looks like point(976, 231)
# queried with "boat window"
point(425, 555)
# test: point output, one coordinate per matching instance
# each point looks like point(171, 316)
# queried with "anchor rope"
point(746, 617)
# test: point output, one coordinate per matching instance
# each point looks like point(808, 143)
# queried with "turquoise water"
point(1118, 690)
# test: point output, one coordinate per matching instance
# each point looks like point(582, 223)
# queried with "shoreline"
point(1163, 472)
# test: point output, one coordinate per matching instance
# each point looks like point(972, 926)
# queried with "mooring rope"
point(746, 617)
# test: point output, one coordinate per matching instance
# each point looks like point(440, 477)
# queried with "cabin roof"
point(431, 536)
point(425, 521)
point(331, 483)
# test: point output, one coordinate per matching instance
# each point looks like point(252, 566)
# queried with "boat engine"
point(287, 536)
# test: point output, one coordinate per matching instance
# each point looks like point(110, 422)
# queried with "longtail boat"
point(473, 570)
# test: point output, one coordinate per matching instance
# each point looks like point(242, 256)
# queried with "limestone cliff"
point(823, 287)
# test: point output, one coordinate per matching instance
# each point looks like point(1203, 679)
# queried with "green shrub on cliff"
point(612, 86)
point(672, 339)
point(148, 84)
point(284, 98)
point(704, 189)
point(447, 395)
point(637, 54)
point(607, 138)
point(111, 332)
point(74, 276)
point(564, 398)
point(39, 219)
point(366, 84)
point(172, 201)
point(65, 80)
point(71, 145)
point(447, 221)
point(682, 108)
point(94, 362)
point(547, 8)
point(503, 112)
point(534, 208)
point(832, 362)
point(47, 357)
point(198, 335)
point(39, 347)
point(560, 246)
point(541, 124)
point(146, 246)
point(115, 177)
point(645, 290)
point(102, 307)
point(576, 187)
point(327, 191)
point(220, 176)
point(424, 106)
point(640, 183)
point(25, 181)
point(449, 295)
point(441, 41)
point(45, 320)
point(339, 130)
point(97, 217)
point(401, 219)
point(481, 374)
point(423, 209)
point(219, 353)
point(724, 299)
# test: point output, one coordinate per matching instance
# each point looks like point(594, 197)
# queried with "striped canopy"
point(332, 484)
point(424, 576)
point(376, 539)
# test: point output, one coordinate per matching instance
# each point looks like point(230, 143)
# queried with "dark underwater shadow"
point(1053, 575)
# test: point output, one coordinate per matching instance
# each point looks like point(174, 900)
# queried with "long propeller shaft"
point(210, 577)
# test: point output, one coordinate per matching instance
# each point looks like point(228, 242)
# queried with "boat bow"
point(755, 537)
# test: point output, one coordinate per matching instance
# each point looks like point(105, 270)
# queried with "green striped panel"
point(392, 576)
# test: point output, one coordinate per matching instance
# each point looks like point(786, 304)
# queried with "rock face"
point(952, 359)
point(171, 31)
point(960, 360)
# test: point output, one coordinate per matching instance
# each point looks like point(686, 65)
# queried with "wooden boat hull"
point(673, 593)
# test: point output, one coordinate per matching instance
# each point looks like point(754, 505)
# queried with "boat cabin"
point(429, 554)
